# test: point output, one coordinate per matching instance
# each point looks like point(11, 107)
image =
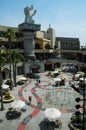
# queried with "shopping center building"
point(47, 47)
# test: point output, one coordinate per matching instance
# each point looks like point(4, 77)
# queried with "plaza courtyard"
point(44, 95)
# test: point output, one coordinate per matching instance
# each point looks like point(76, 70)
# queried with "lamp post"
point(84, 102)
point(1, 92)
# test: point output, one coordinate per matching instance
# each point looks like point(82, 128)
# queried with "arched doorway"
point(35, 68)
point(48, 66)
point(20, 70)
point(83, 68)
point(57, 65)
point(5, 73)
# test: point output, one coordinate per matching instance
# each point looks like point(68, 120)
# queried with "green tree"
point(2, 63)
point(10, 35)
point(16, 58)
point(81, 85)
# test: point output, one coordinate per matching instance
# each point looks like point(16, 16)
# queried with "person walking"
point(30, 99)
point(39, 81)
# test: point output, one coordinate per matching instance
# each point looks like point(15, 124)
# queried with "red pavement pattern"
point(49, 83)
point(37, 108)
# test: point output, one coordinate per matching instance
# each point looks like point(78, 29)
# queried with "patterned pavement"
point(41, 99)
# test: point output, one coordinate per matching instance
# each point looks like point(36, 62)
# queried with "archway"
point(48, 66)
point(5, 73)
point(35, 68)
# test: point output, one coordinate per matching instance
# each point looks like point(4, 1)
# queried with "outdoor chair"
point(46, 122)
point(58, 123)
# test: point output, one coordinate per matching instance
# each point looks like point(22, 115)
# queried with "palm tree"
point(10, 35)
point(2, 63)
point(77, 120)
point(16, 58)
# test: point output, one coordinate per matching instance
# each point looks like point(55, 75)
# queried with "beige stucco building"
point(47, 46)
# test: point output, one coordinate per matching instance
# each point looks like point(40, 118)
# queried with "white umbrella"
point(22, 78)
point(17, 104)
point(52, 114)
point(54, 72)
point(77, 75)
point(62, 76)
point(83, 79)
point(57, 79)
point(5, 86)
point(80, 72)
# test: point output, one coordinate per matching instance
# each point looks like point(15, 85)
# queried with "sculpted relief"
point(29, 13)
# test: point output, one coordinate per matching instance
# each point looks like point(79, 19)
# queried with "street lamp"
point(84, 106)
point(1, 93)
point(84, 103)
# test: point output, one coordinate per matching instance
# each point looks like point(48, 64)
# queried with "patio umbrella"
point(52, 114)
point(17, 104)
point(55, 71)
point(22, 78)
point(5, 86)
point(83, 79)
point(57, 79)
point(62, 76)
point(80, 72)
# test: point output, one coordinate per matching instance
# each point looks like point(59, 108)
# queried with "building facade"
point(68, 43)
point(47, 46)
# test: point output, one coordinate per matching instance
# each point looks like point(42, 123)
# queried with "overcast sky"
point(67, 17)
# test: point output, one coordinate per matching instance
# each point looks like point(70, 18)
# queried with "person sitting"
point(58, 122)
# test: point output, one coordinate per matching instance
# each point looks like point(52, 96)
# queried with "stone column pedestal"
point(28, 30)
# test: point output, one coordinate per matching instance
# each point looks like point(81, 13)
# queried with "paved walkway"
point(43, 96)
